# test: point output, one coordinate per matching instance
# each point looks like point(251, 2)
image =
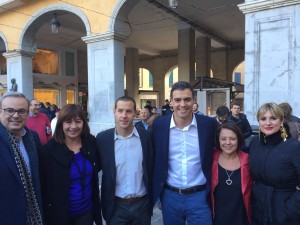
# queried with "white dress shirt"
point(185, 168)
point(129, 166)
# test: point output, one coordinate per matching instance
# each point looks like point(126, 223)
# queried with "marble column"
point(272, 54)
point(203, 57)
point(19, 66)
point(186, 53)
point(132, 74)
point(105, 78)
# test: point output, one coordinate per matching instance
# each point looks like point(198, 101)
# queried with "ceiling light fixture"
point(55, 24)
point(173, 4)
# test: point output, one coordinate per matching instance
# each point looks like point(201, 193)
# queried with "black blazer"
point(55, 164)
point(106, 150)
point(12, 195)
point(140, 125)
point(161, 131)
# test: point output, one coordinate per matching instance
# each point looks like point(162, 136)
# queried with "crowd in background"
point(198, 169)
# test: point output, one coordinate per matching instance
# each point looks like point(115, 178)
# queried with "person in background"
point(183, 147)
point(292, 121)
point(275, 169)
point(144, 114)
point(287, 107)
point(20, 194)
point(151, 120)
point(39, 122)
point(231, 181)
point(195, 109)
point(126, 161)
point(54, 121)
point(222, 114)
point(44, 110)
point(148, 106)
point(48, 106)
point(53, 109)
point(69, 168)
point(153, 111)
point(165, 109)
point(240, 119)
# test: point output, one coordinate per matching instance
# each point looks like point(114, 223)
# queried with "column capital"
point(17, 52)
point(261, 5)
point(104, 37)
point(183, 25)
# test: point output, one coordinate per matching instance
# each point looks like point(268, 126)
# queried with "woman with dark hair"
point(275, 168)
point(231, 181)
point(69, 172)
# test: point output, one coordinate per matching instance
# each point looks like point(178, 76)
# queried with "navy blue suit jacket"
point(12, 195)
point(140, 125)
point(106, 150)
point(161, 131)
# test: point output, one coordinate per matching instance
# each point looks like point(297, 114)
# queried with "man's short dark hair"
point(236, 103)
point(222, 111)
point(181, 85)
point(126, 99)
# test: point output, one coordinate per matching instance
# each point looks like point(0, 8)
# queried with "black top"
point(275, 168)
point(230, 208)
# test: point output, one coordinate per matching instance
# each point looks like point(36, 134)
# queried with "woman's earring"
point(283, 133)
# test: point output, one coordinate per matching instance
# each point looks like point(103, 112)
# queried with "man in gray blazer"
point(126, 162)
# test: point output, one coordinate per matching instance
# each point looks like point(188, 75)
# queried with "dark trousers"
point(85, 219)
point(131, 214)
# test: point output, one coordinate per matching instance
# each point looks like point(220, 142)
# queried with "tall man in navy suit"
point(183, 148)
point(20, 195)
point(126, 160)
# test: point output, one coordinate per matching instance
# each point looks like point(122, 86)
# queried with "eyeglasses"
point(11, 111)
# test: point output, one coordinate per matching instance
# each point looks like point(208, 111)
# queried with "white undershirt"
point(185, 168)
point(129, 166)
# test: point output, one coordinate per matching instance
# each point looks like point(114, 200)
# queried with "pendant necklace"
point(228, 180)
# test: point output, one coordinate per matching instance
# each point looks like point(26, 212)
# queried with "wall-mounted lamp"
point(173, 4)
point(55, 24)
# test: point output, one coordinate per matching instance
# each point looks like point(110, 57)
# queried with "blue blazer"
point(106, 150)
point(12, 195)
point(140, 125)
point(160, 134)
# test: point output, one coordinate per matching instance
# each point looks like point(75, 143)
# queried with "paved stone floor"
point(157, 217)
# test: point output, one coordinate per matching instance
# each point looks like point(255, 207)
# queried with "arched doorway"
point(59, 61)
point(170, 78)
point(3, 67)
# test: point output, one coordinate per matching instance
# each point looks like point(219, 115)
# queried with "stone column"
point(272, 54)
point(203, 56)
point(132, 74)
point(19, 66)
point(105, 78)
point(186, 53)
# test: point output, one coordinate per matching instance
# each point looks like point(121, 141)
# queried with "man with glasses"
point(39, 122)
point(20, 189)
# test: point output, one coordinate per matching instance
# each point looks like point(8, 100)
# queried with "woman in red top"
point(231, 181)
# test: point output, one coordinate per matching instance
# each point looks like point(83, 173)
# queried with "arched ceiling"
point(152, 26)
